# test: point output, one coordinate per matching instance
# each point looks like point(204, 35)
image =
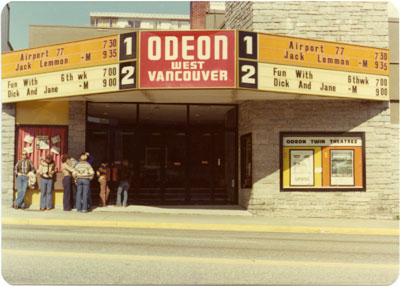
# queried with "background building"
point(207, 14)
point(139, 21)
point(5, 31)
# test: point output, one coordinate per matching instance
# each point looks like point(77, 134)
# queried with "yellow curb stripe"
point(198, 226)
point(208, 260)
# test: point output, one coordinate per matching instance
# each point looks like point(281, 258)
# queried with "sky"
point(76, 13)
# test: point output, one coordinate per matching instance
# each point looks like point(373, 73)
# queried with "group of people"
point(76, 181)
point(124, 178)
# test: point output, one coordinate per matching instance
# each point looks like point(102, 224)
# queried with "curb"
point(202, 227)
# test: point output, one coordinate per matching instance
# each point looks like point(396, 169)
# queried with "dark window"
point(163, 115)
point(246, 168)
point(112, 113)
point(220, 116)
point(134, 24)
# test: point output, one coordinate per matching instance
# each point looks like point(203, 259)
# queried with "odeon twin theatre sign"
point(209, 59)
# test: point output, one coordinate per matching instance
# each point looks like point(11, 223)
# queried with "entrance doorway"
point(179, 154)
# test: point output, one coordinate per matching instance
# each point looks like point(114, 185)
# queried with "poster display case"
point(322, 161)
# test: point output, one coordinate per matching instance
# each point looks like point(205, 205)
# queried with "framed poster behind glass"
point(342, 168)
point(302, 167)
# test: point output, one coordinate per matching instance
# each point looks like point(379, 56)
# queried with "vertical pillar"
point(7, 152)
point(77, 128)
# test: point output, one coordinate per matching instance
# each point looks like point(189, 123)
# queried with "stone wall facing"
point(239, 15)
point(265, 119)
point(395, 166)
point(7, 152)
point(76, 128)
point(353, 22)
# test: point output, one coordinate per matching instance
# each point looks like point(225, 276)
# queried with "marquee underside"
point(214, 96)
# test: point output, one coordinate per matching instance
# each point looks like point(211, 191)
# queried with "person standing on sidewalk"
point(104, 189)
point(47, 169)
point(67, 181)
point(72, 163)
point(90, 160)
point(83, 174)
point(124, 176)
point(22, 168)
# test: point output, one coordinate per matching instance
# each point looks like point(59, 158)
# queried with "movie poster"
point(342, 171)
point(302, 167)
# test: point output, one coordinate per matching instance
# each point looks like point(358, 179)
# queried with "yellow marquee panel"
point(321, 54)
point(97, 51)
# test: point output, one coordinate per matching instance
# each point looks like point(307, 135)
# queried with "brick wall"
point(198, 11)
point(265, 119)
point(7, 152)
point(76, 128)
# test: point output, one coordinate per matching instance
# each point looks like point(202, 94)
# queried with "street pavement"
point(192, 246)
point(196, 217)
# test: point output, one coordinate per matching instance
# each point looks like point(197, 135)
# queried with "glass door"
point(98, 147)
point(212, 167)
point(179, 154)
point(201, 166)
point(174, 182)
point(124, 147)
point(162, 167)
point(162, 153)
point(151, 161)
point(224, 166)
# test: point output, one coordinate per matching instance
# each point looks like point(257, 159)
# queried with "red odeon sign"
point(187, 59)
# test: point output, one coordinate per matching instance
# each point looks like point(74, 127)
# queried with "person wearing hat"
point(83, 174)
point(47, 170)
point(22, 168)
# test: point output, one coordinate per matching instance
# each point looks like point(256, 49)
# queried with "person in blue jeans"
point(124, 176)
point(90, 159)
point(22, 168)
point(67, 181)
point(83, 174)
point(47, 171)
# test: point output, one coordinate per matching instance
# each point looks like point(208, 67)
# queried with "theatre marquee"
point(196, 59)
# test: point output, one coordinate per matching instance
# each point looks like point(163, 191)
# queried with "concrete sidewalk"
point(218, 218)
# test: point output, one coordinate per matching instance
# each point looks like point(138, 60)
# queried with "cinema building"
point(289, 110)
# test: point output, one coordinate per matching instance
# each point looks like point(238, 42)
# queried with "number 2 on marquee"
point(249, 71)
point(128, 73)
point(248, 74)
